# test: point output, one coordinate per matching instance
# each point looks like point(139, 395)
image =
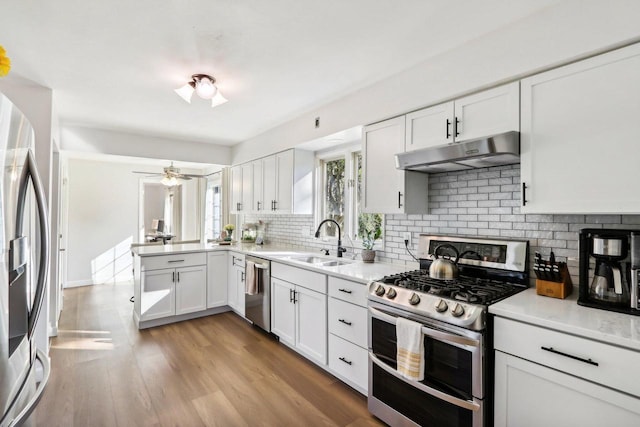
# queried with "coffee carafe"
point(609, 283)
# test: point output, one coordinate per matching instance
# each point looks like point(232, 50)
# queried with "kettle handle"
point(448, 246)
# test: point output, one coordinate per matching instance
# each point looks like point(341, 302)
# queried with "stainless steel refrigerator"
point(24, 369)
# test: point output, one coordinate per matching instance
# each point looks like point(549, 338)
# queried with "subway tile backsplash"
point(478, 202)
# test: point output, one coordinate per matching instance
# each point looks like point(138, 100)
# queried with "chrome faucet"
point(340, 248)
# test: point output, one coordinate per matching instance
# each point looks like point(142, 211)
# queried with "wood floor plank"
point(213, 371)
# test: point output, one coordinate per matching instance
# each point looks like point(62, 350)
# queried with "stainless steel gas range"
point(456, 331)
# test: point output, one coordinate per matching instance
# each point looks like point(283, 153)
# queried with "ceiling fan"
point(171, 174)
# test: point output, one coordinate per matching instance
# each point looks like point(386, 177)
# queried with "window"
point(339, 194)
point(213, 208)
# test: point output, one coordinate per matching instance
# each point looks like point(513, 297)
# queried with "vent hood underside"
point(495, 150)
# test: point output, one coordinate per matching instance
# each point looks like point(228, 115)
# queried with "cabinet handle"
point(348, 362)
point(524, 194)
point(275, 202)
point(448, 126)
point(399, 199)
point(346, 291)
point(345, 322)
point(176, 260)
point(295, 301)
point(290, 295)
point(258, 205)
point(582, 359)
point(173, 276)
point(455, 127)
point(242, 276)
point(178, 276)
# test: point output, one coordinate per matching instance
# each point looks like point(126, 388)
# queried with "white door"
point(283, 315)
point(580, 136)
point(383, 184)
point(488, 113)
point(430, 127)
point(269, 184)
point(191, 289)
point(284, 170)
point(258, 187)
point(216, 279)
point(236, 188)
point(246, 204)
point(311, 325)
point(158, 294)
point(532, 395)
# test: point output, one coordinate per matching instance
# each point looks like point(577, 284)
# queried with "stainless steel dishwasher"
point(257, 304)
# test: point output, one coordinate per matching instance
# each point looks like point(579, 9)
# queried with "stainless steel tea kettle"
point(443, 268)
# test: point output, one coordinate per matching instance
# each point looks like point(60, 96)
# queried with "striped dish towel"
point(410, 353)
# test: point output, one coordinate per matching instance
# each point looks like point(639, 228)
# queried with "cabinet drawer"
point(601, 363)
point(173, 261)
point(348, 321)
point(349, 361)
point(301, 277)
point(346, 290)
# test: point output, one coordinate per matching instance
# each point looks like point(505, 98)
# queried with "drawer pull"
point(346, 291)
point(552, 350)
point(348, 362)
point(345, 322)
point(176, 260)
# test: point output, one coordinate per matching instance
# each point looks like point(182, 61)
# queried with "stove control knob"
point(415, 299)
point(457, 310)
point(441, 306)
point(380, 290)
point(391, 293)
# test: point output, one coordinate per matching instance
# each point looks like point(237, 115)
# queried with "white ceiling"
point(114, 64)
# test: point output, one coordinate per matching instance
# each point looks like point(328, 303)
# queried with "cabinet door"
point(429, 127)
point(191, 289)
point(311, 323)
point(246, 205)
point(236, 188)
point(232, 284)
point(284, 170)
point(158, 294)
point(269, 184)
point(532, 395)
point(580, 133)
point(216, 279)
point(258, 187)
point(283, 311)
point(488, 113)
point(239, 273)
point(383, 183)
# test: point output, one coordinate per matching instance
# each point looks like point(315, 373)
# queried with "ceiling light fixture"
point(204, 86)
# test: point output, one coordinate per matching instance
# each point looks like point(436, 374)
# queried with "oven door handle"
point(466, 404)
point(434, 333)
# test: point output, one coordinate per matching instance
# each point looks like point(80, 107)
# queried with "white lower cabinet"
point(299, 314)
point(545, 377)
point(158, 298)
point(191, 289)
point(348, 320)
point(235, 285)
point(217, 279)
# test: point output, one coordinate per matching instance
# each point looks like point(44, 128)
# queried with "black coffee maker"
point(608, 269)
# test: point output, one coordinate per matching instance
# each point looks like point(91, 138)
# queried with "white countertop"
point(565, 315)
point(355, 270)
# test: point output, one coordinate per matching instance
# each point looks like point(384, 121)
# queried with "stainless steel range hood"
point(495, 150)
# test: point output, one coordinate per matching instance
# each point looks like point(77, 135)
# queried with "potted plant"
point(370, 231)
point(229, 229)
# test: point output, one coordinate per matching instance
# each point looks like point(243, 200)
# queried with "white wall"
point(102, 220)
point(560, 33)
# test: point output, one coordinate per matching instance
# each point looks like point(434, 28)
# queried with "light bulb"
point(205, 88)
point(169, 181)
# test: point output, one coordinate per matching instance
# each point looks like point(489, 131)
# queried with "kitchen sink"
point(335, 263)
point(319, 261)
point(309, 259)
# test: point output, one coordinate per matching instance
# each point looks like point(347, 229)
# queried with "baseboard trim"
point(77, 284)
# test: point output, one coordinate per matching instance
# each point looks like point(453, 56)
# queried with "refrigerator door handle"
point(30, 171)
point(28, 409)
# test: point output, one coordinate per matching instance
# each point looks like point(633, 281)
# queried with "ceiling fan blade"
point(148, 173)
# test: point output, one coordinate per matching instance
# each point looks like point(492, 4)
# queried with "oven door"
point(451, 393)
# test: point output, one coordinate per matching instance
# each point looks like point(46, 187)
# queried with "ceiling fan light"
point(185, 92)
point(205, 88)
point(218, 99)
point(169, 181)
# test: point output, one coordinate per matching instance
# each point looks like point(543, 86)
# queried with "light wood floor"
point(214, 371)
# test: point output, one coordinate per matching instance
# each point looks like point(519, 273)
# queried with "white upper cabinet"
point(285, 182)
point(482, 114)
point(236, 188)
point(269, 183)
point(246, 204)
point(258, 189)
point(580, 136)
point(386, 189)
